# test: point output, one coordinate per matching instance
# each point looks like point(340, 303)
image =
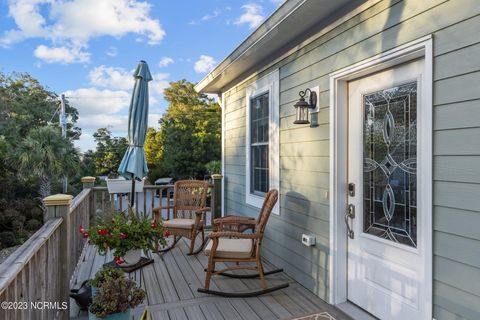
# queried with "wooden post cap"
point(58, 200)
point(88, 179)
point(216, 176)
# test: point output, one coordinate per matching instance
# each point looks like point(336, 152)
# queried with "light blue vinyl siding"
point(304, 151)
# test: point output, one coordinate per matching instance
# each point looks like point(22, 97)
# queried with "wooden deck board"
point(171, 284)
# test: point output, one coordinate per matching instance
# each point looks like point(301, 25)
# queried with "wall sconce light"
point(302, 107)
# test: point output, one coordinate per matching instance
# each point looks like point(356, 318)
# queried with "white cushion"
point(179, 223)
point(231, 248)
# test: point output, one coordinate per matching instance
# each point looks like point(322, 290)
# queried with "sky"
point(88, 49)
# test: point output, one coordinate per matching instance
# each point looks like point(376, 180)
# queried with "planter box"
point(123, 186)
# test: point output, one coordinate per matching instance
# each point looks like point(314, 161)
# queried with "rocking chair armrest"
point(229, 234)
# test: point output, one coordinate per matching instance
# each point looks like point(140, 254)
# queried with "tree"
point(28, 130)
point(190, 131)
point(109, 153)
point(46, 154)
point(153, 147)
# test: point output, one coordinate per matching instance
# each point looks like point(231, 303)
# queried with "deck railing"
point(153, 196)
point(35, 280)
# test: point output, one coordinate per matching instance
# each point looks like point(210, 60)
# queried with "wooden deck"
point(171, 284)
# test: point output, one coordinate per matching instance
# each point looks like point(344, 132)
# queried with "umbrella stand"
point(132, 198)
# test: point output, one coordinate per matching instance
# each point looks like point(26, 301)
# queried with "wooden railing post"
point(217, 195)
point(89, 183)
point(58, 206)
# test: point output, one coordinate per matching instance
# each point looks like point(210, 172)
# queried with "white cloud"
point(86, 142)
point(121, 79)
point(111, 77)
point(114, 122)
point(71, 24)
point(204, 64)
point(214, 14)
point(92, 101)
point(158, 84)
point(252, 15)
point(62, 55)
point(111, 52)
point(165, 61)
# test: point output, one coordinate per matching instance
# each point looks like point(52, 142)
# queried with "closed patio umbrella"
point(134, 165)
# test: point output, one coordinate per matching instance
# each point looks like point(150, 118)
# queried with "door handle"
point(350, 214)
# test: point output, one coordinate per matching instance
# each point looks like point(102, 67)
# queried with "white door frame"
point(338, 160)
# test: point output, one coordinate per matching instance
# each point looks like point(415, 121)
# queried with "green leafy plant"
point(116, 293)
point(214, 167)
point(104, 274)
point(121, 234)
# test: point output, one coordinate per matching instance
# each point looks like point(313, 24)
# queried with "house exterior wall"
point(304, 150)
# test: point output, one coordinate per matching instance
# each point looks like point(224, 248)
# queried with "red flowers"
point(154, 224)
point(118, 260)
point(83, 232)
point(102, 232)
point(167, 234)
point(122, 235)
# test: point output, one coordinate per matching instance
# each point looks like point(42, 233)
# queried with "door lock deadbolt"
point(351, 189)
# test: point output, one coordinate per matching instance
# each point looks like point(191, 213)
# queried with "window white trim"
point(271, 84)
point(338, 161)
point(221, 99)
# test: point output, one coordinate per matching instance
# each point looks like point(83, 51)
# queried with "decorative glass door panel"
point(389, 169)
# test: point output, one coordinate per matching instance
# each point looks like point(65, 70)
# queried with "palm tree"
point(47, 155)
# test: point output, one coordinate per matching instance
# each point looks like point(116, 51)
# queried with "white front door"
point(386, 250)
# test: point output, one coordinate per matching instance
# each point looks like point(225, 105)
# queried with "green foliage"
point(116, 295)
point(190, 132)
point(44, 153)
point(27, 123)
point(106, 274)
point(214, 167)
point(109, 153)
point(121, 234)
point(32, 224)
point(156, 171)
point(7, 239)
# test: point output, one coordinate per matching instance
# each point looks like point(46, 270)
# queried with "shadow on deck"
point(171, 284)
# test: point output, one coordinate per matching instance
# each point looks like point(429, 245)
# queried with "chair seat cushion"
point(231, 248)
point(179, 223)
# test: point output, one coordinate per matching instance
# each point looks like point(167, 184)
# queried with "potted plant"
point(125, 236)
point(115, 295)
point(104, 274)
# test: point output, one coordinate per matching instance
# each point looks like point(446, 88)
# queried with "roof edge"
point(280, 14)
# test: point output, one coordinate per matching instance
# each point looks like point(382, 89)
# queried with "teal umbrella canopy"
point(134, 164)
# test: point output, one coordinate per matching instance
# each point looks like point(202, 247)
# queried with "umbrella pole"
point(132, 198)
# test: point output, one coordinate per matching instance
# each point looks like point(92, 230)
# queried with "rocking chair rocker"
point(189, 209)
point(229, 244)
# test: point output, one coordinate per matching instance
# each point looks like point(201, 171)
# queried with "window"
point(259, 173)
point(262, 147)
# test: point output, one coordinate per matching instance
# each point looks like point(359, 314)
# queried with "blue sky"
point(88, 49)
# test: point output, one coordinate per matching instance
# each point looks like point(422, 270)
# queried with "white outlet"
point(308, 240)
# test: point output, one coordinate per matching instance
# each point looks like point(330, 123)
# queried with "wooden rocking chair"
point(189, 209)
point(229, 244)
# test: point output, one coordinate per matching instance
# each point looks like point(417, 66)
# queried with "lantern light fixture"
point(303, 107)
